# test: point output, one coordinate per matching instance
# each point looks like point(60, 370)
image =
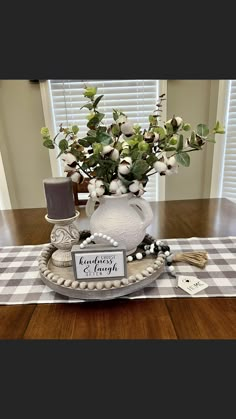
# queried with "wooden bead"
point(60, 281)
point(116, 283)
point(124, 281)
point(75, 284)
point(99, 285)
point(67, 282)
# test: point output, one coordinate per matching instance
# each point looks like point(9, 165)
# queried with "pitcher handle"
point(90, 206)
point(143, 209)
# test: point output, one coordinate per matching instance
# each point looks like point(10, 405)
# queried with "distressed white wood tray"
point(62, 280)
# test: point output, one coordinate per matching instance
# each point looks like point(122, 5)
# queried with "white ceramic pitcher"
point(124, 218)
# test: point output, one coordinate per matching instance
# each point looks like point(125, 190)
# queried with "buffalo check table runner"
point(20, 281)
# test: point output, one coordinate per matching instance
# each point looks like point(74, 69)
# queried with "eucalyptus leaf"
point(104, 138)
point(183, 159)
point(75, 129)
point(170, 148)
point(84, 142)
point(139, 168)
point(186, 127)
point(95, 120)
point(151, 160)
point(90, 92)
point(95, 103)
point(173, 141)
point(63, 145)
point(115, 115)
point(88, 106)
point(180, 143)
point(97, 148)
point(161, 131)
point(48, 144)
point(202, 130)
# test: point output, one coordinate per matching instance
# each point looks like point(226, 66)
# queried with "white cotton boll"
point(127, 128)
point(91, 185)
point(91, 188)
point(67, 168)
point(115, 154)
point(75, 177)
point(159, 166)
point(178, 120)
point(106, 149)
point(123, 189)
point(121, 119)
point(156, 137)
point(124, 169)
point(93, 194)
point(68, 158)
point(113, 186)
point(172, 161)
point(99, 183)
point(126, 160)
point(134, 186)
point(100, 191)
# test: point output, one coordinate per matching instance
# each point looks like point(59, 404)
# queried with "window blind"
point(136, 98)
point(229, 169)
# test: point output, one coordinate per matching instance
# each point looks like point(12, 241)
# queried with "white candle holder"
point(63, 236)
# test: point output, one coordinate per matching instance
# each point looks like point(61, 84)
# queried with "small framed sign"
point(98, 261)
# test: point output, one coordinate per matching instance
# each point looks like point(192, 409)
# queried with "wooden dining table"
point(157, 318)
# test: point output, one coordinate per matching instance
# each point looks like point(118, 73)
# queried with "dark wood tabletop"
point(170, 318)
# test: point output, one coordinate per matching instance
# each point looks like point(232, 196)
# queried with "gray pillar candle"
point(59, 197)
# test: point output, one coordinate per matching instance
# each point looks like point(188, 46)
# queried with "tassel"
point(198, 259)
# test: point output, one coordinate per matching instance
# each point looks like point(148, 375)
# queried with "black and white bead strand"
point(158, 248)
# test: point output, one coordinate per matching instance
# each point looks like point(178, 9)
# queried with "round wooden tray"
point(62, 280)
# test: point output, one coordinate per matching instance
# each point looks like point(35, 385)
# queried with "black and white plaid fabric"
point(20, 281)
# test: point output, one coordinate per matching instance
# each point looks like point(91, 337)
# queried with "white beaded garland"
point(139, 256)
point(88, 240)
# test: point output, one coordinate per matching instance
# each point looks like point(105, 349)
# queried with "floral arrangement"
point(121, 157)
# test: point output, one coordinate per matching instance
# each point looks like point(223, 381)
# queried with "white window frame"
point(50, 124)
point(219, 146)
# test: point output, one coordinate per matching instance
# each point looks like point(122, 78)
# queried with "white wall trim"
point(50, 124)
point(161, 179)
point(219, 146)
point(5, 202)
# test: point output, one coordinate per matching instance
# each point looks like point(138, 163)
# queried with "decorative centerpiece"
point(117, 161)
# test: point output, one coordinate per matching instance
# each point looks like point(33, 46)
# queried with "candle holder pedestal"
point(63, 236)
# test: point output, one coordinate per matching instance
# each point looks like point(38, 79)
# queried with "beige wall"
point(195, 101)
point(26, 161)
